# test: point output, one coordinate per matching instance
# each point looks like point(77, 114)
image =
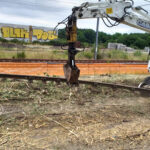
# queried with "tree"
point(135, 40)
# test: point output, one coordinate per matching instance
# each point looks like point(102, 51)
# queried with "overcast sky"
point(49, 12)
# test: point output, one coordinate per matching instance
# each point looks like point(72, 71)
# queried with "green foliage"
point(87, 45)
point(117, 54)
point(20, 55)
point(18, 41)
point(104, 37)
point(135, 40)
point(62, 34)
point(84, 35)
point(15, 41)
point(100, 56)
point(58, 42)
point(3, 40)
point(36, 42)
point(88, 54)
point(137, 53)
point(46, 74)
point(87, 38)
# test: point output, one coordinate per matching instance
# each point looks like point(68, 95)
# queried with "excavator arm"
point(122, 11)
point(71, 71)
point(119, 11)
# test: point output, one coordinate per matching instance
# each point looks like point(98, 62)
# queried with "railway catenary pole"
point(96, 44)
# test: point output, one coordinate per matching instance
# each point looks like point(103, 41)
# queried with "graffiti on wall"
point(9, 32)
point(41, 35)
point(25, 33)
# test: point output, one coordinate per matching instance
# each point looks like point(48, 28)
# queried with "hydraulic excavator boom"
point(118, 11)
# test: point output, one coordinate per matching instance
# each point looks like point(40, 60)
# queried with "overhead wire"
point(62, 22)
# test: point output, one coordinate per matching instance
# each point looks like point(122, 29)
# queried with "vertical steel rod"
point(96, 44)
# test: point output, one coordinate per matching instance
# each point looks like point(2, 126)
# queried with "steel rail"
point(77, 61)
point(55, 79)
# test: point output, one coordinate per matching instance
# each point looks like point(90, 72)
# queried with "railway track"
point(58, 80)
point(77, 61)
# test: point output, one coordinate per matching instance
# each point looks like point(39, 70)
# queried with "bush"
point(87, 45)
point(58, 42)
point(88, 54)
point(18, 41)
point(3, 40)
point(21, 55)
point(100, 56)
point(137, 53)
point(15, 41)
point(117, 54)
point(36, 42)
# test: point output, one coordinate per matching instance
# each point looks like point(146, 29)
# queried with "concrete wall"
point(147, 49)
point(119, 46)
point(26, 33)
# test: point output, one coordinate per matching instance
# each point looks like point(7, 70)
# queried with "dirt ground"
point(50, 116)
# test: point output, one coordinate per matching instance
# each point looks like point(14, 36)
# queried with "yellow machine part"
point(73, 33)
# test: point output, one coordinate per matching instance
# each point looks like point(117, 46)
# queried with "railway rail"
point(58, 80)
point(77, 61)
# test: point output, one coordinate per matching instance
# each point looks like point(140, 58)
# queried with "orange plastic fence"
point(86, 69)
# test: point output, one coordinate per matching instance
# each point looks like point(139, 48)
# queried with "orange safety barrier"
point(57, 69)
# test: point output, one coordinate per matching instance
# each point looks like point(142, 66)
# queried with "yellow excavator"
point(112, 13)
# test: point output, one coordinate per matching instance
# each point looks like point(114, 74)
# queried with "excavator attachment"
point(71, 74)
point(119, 11)
point(71, 71)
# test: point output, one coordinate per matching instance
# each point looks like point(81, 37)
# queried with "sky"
point(48, 13)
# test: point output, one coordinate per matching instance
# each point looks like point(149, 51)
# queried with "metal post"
point(96, 45)
point(30, 34)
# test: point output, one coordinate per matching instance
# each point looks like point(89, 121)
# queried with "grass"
point(138, 53)
point(51, 52)
point(122, 55)
point(33, 54)
point(54, 116)
point(120, 79)
point(117, 54)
